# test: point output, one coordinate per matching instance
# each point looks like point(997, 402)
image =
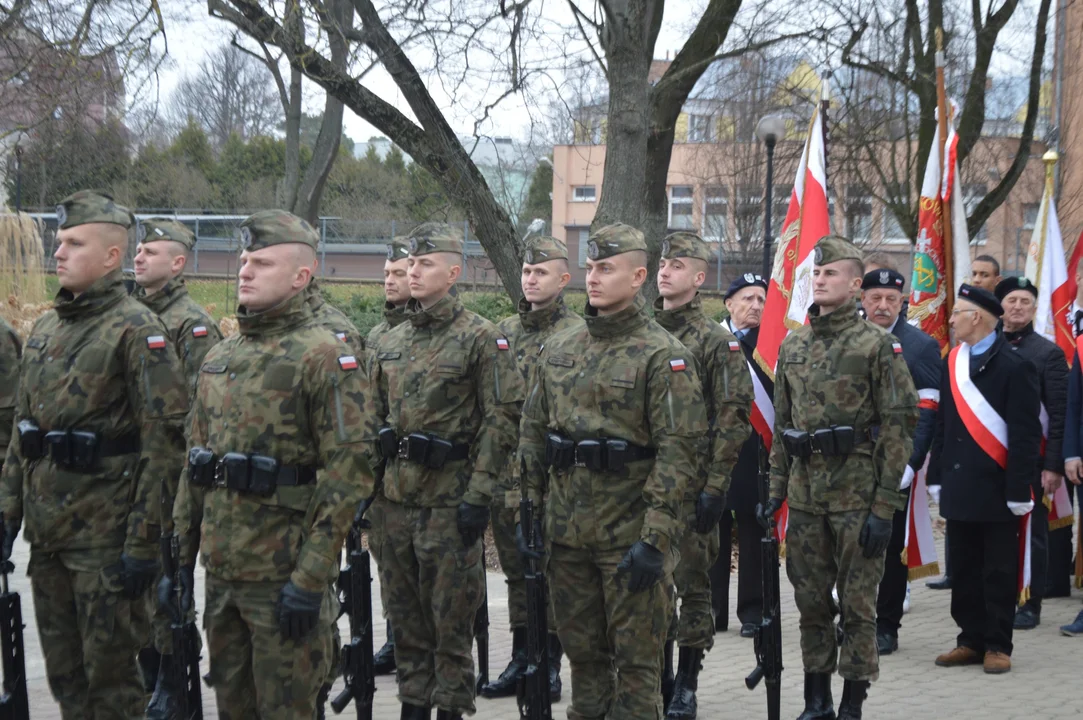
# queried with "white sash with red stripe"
point(982, 421)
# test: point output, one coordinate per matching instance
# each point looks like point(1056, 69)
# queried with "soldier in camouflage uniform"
point(160, 259)
point(447, 394)
point(542, 314)
point(276, 469)
point(610, 433)
point(100, 415)
point(334, 319)
point(845, 411)
point(11, 349)
point(727, 393)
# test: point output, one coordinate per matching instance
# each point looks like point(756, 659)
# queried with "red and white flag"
point(1047, 270)
point(928, 283)
point(919, 547)
point(789, 290)
point(1059, 504)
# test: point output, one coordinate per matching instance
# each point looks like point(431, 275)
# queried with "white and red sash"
point(982, 421)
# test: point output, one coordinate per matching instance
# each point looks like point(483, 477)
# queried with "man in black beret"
point(986, 450)
point(1019, 298)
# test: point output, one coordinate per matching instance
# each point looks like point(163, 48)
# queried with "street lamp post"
point(769, 129)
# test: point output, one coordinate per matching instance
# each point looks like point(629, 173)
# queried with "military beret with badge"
point(615, 239)
point(543, 249)
point(90, 206)
point(885, 278)
point(433, 237)
point(833, 248)
point(685, 245)
point(276, 227)
point(398, 249)
point(155, 229)
point(982, 298)
point(743, 281)
point(1010, 285)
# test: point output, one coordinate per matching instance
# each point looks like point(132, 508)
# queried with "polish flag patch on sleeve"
point(677, 365)
point(156, 342)
point(341, 336)
point(347, 362)
point(734, 346)
point(199, 331)
point(502, 344)
point(897, 348)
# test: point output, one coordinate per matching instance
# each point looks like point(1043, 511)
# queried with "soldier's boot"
point(556, 652)
point(163, 703)
point(321, 701)
point(668, 681)
point(818, 702)
point(149, 660)
point(383, 662)
point(683, 706)
point(508, 683)
point(854, 693)
point(415, 712)
point(448, 715)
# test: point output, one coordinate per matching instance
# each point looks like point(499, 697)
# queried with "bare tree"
point(228, 94)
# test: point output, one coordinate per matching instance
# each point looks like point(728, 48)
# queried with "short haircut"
point(857, 267)
point(991, 260)
point(639, 258)
point(879, 259)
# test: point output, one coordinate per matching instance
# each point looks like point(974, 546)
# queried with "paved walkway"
point(1043, 682)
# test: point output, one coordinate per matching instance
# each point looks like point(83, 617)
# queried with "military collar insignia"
point(246, 238)
point(592, 250)
point(61, 215)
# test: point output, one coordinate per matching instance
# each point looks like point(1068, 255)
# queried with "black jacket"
point(974, 488)
point(1053, 382)
point(744, 492)
point(922, 356)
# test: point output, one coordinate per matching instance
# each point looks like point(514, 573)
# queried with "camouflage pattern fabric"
point(11, 350)
point(449, 372)
point(159, 229)
point(100, 363)
point(286, 388)
point(433, 237)
point(603, 628)
point(822, 551)
point(91, 206)
point(393, 317)
point(255, 671)
point(727, 393)
point(330, 317)
point(840, 370)
point(87, 636)
point(191, 328)
point(431, 586)
point(527, 332)
point(276, 227)
point(618, 376)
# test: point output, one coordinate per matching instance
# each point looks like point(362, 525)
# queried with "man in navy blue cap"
point(882, 299)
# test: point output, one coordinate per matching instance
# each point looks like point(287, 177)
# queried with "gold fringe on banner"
point(924, 571)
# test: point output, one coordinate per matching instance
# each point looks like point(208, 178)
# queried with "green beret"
point(153, 229)
point(276, 227)
point(615, 239)
point(685, 245)
point(832, 248)
point(543, 249)
point(433, 237)
point(90, 206)
point(398, 249)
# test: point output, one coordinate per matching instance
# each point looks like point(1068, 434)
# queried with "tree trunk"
point(294, 24)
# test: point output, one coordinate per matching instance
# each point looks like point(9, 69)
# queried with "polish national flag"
point(1047, 270)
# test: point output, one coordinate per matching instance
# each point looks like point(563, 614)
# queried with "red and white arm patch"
point(156, 342)
point(199, 331)
point(502, 344)
point(897, 348)
point(347, 362)
point(677, 365)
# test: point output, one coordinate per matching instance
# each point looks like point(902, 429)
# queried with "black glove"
point(765, 514)
point(709, 509)
point(10, 532)
point(135, 575)
point(524, 550)
point(644, 562)
point(298, 611)
point(359, 517)
point(472, 521)
point(875, 536)
point(167, 590)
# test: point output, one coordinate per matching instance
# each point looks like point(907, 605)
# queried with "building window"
point(1030, 215)
point(701, 128)
point(896, 197)
point(972, 195)
point(584, 238)
point(858, 215)
point(748, 216)
point(680, 208)
point(584, 193)
point(780, 201)
point(716, 202)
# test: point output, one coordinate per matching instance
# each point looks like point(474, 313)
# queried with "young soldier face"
point(543, 281)
point(882, 306)
point(157, 262)
point(612, 283)
point(746, 307)
point(396, 286)
point(87, 253)
point(271, 275)
point(678, 277)
point(1020, 308)
point(432, 275)
point(834, 283)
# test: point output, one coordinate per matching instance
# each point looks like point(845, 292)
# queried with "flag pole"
point(1050, 160)
point(945, 207)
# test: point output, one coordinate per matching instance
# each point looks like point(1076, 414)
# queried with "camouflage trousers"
point(823, 551)
point(613, 638)
point(431, 587)
point(693, 627)
point(256, 673)
point(87, 636)
point(504, 521)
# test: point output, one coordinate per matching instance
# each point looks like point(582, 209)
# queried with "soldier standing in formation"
point(330, 317)
point(744, 300)
point(396, 295)
point(727, 394)
point(276, 468)
point(542, 314)
point(447, 393)
point(845, 409)
point(1019, 298)
point(11, 350)
point(882, 298)
point(160, 259)
point(100, 413)
point(610, 433)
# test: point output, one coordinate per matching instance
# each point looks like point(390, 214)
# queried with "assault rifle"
point(185, 635)
point(481, 626)
point(533, 691)
point(14, 703)
point(768, 638)
point(355, 594)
